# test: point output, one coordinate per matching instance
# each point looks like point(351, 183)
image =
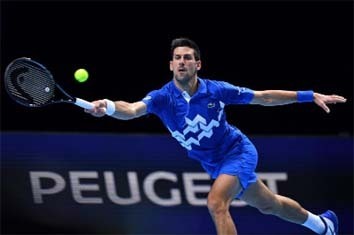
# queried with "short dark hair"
point(185, 42)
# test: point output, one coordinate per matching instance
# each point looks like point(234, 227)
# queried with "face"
point(183, 65)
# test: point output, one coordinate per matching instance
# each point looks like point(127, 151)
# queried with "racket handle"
point(83, 103)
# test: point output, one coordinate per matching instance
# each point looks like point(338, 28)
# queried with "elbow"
point(263, 98)
point(268, 102)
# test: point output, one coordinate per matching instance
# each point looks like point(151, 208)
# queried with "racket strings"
point(30, 84)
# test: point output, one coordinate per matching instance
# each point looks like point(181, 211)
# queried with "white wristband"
point(111, 107)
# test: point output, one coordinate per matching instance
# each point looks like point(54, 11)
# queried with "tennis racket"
point(31, 84)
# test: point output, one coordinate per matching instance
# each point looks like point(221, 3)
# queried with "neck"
point(190, 86)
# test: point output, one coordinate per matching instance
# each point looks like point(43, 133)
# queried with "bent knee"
point(216, 206)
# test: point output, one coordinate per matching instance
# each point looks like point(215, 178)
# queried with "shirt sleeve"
point(155, 101)
point(231, 94)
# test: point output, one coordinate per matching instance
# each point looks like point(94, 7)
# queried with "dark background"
point(125, 46)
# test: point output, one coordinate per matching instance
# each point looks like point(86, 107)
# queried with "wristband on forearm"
point(111, 107)
point(304, 96)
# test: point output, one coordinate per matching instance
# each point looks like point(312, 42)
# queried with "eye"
point(188, 57)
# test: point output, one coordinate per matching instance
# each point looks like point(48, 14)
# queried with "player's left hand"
point(322, 100)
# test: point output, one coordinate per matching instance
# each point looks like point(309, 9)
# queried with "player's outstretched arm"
point(119, 109)
point(282, 97)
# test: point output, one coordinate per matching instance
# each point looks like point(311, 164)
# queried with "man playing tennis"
point(192, 109)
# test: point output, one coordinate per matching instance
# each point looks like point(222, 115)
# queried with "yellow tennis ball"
point(81, 75)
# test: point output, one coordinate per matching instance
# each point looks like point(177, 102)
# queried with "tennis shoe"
point(330, 220)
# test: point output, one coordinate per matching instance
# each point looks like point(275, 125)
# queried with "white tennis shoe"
point(330, 220)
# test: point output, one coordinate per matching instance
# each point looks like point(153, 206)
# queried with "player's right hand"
point(99, 109)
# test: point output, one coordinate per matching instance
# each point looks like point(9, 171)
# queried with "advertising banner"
point(72, 183)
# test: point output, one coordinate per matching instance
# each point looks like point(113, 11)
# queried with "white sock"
point(314, 223)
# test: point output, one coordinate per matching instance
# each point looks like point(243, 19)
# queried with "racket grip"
point(83, 103)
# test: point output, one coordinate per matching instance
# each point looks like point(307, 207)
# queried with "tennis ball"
point(81, 75)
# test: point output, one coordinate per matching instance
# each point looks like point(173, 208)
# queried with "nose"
point(181, 61)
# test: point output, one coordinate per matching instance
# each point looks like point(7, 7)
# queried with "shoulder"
point(214, 86)
point(227, 92)
point(213, 83)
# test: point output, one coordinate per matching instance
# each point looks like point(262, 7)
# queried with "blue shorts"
point(241, 161)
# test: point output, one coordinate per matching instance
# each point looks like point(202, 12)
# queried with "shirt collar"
point(202, 89)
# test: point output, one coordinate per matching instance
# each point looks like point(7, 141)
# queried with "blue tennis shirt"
point(198, 122)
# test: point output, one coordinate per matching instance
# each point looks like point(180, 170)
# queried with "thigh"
point(258, 195)
point(225, 187)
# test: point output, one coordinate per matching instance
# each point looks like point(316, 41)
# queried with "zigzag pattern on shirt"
point(198, 124)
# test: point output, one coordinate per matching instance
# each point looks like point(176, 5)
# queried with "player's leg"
point(223, 191)
point(260, 197)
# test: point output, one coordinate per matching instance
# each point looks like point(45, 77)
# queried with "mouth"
point(182, 70)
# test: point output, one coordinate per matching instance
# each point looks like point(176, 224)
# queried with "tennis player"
point(192, 109)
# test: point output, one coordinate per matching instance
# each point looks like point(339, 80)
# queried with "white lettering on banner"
point(133, 186)
point(77, 187)
point(150, 192)
point(39, 191)
point(191, 188)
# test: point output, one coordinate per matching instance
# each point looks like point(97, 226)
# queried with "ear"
point(171, 66)
point(199, 65)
